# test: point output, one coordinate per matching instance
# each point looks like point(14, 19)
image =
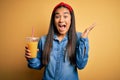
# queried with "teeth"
point(62, 25)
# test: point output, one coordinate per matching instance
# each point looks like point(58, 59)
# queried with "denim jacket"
point(59, 67)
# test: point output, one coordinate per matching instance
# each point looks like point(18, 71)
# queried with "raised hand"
point(86, 32)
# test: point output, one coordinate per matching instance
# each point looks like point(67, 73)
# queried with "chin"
point(62, 33)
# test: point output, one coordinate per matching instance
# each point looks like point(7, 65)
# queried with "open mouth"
point(62, 27)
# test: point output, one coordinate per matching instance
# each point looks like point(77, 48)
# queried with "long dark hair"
point(71, 39)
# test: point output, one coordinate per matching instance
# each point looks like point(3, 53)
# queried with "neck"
point(60, 37)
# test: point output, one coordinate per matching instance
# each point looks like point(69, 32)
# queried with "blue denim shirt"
point(59, 67)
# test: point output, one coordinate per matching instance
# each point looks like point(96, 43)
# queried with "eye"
point(65, 16)
point(57, 16)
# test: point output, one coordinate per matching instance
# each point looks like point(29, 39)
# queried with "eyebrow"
point(64, 13)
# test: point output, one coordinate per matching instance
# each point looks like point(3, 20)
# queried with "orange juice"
point(32, 43)
point(32, 46)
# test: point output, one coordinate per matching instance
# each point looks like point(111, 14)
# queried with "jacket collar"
point(55, 37)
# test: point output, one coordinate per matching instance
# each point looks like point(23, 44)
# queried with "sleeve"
point(36, 63)
point(82, 50)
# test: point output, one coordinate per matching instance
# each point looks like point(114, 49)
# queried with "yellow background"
point(17, 17)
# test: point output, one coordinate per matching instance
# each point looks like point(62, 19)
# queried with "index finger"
point(92, 26)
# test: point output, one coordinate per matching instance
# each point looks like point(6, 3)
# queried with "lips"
point(62, 26)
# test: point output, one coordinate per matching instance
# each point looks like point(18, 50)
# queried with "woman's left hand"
point(86, 32)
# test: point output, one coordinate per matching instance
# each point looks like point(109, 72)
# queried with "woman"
point(62, 50)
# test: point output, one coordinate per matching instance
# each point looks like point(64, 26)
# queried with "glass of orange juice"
point(32, 43)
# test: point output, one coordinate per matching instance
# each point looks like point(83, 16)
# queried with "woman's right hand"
point(27, 53)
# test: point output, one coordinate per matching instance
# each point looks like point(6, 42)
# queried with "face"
point(62, 20)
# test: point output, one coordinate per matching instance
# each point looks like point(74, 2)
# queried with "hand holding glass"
point(32, 44)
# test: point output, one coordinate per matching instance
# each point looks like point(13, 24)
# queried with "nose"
point(61, 19)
